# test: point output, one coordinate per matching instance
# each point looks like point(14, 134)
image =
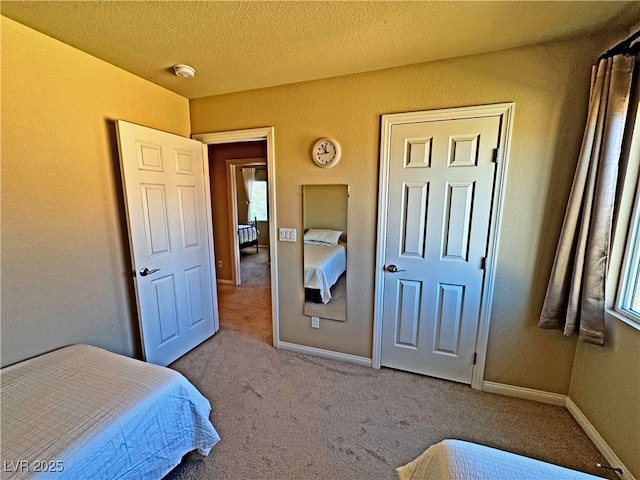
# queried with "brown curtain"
point(575, 298)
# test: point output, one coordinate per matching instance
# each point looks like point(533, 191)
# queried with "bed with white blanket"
point(459, 460)
point(84, 412)
point(248, 234)
point(323, 265)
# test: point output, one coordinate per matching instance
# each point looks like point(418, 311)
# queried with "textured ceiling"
point(245, 45)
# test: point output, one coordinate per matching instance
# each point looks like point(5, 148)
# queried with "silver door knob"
point(145, 271)
point(393, 269)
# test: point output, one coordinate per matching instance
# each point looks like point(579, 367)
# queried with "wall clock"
point(326, 153)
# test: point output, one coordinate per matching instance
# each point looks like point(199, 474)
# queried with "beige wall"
point(605, 386)
point(65, 271)
point(544, 83)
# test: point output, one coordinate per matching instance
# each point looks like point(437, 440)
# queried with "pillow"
point(317, 236)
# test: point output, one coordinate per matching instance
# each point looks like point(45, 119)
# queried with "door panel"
point(448, 319)
point(154, 209)
point(165, 312)
point(193, 277)
point(408, 314)
point(457, 220)
point(163, 178)
point(441, 178)
point(188, 217)
point(414, 219)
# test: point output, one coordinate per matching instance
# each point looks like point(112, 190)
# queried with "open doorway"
point(241, 237)
point(248, 186)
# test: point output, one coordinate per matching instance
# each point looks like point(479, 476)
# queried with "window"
point(260, 200)
point(629, 291)
point(627, 301)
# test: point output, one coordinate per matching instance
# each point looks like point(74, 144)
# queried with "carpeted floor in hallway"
point(247, 307)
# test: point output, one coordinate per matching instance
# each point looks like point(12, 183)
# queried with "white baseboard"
point(599, 442)
point(526, 393)
point(319, 352)
point(563, 401)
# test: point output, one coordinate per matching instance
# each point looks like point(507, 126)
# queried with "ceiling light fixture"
point(184, 71)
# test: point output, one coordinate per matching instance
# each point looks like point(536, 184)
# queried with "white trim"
point(212, 257)
point(232, 193)
point(505, 110)
point(383, 202)
point(623, 317)
point(526, 393)
point(629, 271)
point(232, 136)
point(563, 401)
point(319, 352)
point(482, 338)
point(606, 451)
point(624, 237)
point(252, 135)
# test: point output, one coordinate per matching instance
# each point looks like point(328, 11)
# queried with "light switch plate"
point(287, 234)
point(315, 322)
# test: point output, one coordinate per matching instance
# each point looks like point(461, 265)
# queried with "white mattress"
point(458, 460)
point(322, 267)
point(247, 233)
point(94, 414)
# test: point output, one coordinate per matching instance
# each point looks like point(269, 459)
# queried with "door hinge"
point(496, 154)
point(483, 263)
point(475, 357)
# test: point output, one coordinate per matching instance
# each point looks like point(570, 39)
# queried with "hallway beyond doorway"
point(246, 308)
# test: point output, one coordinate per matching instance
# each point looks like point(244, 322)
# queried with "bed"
point(84, 412)
point(459, 460)
point(323, 265)
point(248, 234)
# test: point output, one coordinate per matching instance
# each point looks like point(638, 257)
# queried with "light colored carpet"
point(283, 415)
point(254, 267)
point(247, 307)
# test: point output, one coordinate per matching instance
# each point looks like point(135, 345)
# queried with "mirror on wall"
point(325, 251)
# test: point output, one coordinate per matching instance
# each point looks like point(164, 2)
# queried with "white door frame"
point(207, 199)
point(505, 110)
point(255, 135)
point(232, 166)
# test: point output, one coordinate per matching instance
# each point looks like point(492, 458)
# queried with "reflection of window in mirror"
point(325, 251)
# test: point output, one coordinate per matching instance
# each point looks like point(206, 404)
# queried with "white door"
point(440, 187)
point(167, 215)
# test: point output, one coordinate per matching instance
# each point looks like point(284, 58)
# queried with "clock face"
point(326, 152)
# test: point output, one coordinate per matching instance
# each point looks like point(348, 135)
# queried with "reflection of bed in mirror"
point(325, 251)
point(323, 265)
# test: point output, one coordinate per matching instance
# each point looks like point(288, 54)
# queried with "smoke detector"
point(184, 71)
